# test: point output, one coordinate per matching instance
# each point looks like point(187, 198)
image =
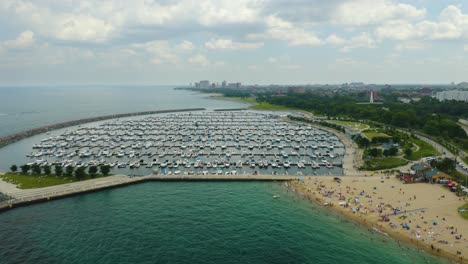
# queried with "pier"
point(31, 196)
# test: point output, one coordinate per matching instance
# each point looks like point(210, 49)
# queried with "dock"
point(31, 196)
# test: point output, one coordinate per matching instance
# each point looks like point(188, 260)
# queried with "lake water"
point(24, 108)
point(191, 222)
point(169, 222)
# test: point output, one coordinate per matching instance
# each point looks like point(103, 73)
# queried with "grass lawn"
point(372, 134)
point(32, 181)
point(350, 124)
point(465, 159)
point(247, 100)
point(268, 106)
point(464, 214)
point(385, 163)
point(425, 149)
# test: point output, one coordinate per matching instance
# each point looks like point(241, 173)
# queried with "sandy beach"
point(423, 214)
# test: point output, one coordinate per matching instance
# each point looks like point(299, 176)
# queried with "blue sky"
point(252, 41)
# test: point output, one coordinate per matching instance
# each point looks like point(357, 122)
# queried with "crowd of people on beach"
point(383, 203)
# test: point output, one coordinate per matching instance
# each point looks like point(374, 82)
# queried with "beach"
point(423, 214)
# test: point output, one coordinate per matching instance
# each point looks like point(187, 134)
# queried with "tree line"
point(60, 171)
point(430, 116)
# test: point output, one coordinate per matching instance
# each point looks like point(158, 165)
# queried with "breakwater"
point(31, 132)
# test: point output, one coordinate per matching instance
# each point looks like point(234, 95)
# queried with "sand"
point(7, 188)
point(431, 204)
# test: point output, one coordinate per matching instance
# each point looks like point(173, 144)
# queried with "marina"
point(196, 143)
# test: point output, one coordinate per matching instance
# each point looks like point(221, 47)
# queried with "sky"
point(47, 42)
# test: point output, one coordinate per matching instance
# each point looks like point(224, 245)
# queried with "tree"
point(36, 169)
point(25, 168)
point(69, 171)
point(392, 151)
point(446, 165)
point(47, 170)
point(80, 173)
point(58, 170)
point(408, 152)
point(14, 168)
point(105, 169)
point(92, 170)
point(374, 152)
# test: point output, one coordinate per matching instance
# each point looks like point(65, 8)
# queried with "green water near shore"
point(191, 222)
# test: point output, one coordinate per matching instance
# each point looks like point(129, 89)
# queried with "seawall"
point(32, 196)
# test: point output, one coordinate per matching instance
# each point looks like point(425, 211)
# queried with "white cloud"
point(280, 29)
point(364, 40)
point(452, 24)
point(335, 40)
point(465, 48)
point(199, 60)
point(159, 51)
point(411, 45)
point(228, 44)
point(185, 46)
point(24, 40)
point(369, 12)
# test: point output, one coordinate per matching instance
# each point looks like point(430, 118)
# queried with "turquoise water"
point(187, 222)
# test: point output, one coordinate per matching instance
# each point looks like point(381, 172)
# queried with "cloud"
point(335, 40)
point(280, 29)
point(465, 47)
point(24, 40)
point(452, 24)
point(364, 40)
point(199, 60)
point(228, 44)
point(371, 12)
point(159, 51)
point(185, 46)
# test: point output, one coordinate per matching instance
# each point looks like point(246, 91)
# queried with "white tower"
point(371, 97)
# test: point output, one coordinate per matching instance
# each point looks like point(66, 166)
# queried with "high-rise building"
point(452, 95)
point(205, 84)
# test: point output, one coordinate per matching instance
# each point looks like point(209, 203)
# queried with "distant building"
point(299, 90)
point(462, 85)
point(452, 95)
point(408, 100)
point(223, 84)
point(204, 84)
point(426, 90)
point(236, 85)
point(356, 84)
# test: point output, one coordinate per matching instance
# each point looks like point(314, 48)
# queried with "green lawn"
point(268, 106)
point(372, 134)
point(385, 163)
point(350, 124)
point(425, 149)
point(464, 214)
point(33, 181)
point(247, 100)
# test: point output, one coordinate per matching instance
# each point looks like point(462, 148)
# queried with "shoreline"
point(372, 224)
point(300, 188)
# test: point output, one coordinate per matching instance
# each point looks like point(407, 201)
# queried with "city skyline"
point(252, 42)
